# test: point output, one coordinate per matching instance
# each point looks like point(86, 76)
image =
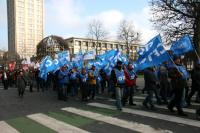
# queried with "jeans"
point(92, 91)
point(183, 100)
point(84, 91)
point(193, 90)
point(21, 91)
point(74, 88)
point(62, 92)
point(118, 95)
point(149, 98)
point(158, 98)
point(103, 86)
point(164, 90)
point(177, 99)
point(128, 95)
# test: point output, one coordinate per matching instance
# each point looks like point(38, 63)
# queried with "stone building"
point(85, 44)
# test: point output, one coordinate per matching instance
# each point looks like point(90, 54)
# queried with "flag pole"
point(196, 53)
point(194, 48)
point(174, 64)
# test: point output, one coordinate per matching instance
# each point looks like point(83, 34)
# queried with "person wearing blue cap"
point(195, 75)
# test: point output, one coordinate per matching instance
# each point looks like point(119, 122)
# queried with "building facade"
point(84, 45)
point(25, 26)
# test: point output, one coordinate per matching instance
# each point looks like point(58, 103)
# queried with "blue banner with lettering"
point(152, 55)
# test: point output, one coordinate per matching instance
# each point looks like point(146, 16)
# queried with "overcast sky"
point(69, 18)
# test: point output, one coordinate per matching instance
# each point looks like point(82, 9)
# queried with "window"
point(135, 47)
point(93, 44)
point(83, 43)
point(103, 45)
point(78, 43)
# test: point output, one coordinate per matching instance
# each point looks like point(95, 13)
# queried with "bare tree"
point(128, 35)
point(175, 18)
point(96, 31)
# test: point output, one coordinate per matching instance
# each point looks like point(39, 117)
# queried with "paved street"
point(41, 112)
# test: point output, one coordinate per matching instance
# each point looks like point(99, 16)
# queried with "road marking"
point(142, 98)
point(54, 124)
point(164, 107)
point(157, 106)
point(115, 121)
point(151, 115)
point(5, 128)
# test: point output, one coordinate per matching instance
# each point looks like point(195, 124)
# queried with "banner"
point(153, 55)
point(25, 67)
point(11, 65)
point(78, 57)
point(107, 55)
point(89, 55)
point(182, 46)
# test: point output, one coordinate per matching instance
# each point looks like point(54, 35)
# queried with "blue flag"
point(182, 46)
point(63, 58)
point(108, 68)
point(46, 66)
point(153, 55)
point(111, 62)
point(124, 59)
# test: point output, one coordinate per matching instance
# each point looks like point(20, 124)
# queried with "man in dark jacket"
point(164, 83)
point(178, 83)
point(21, 83)
point(151, 81)
point(195, 82)
point(103, 80)
point(118, 78)
point(31, 78)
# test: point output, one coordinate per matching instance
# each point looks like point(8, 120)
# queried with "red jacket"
point(128, 81)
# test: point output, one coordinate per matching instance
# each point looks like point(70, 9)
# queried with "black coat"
point(177, 80)
point(196, 78)
point(150, 79)
point(21, 82)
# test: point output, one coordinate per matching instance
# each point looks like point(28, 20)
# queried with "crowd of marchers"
point(167, 83)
